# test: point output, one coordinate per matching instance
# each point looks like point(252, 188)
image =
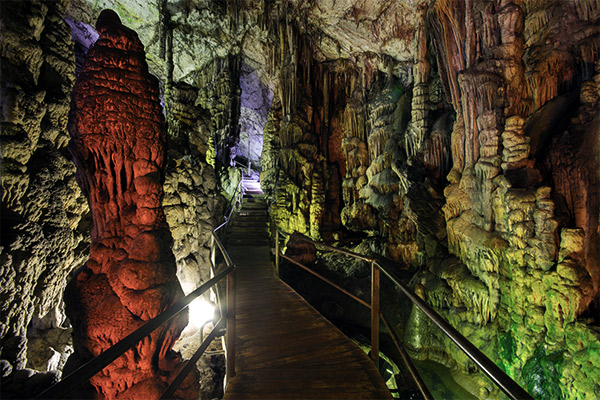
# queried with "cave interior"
point(458, 139)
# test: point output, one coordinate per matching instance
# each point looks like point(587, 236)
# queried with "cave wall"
point(192, 205)
point(457, 136)
point(195, 43)
point(255, 103)
point(43, 240)
point(536, 274)
point(44, 215)
point(473, 161)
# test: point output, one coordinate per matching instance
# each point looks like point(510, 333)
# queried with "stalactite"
point(417, 134)
point(586, 9)
point(162, 27)
point(436, 155)
point(446, 19)
point(169, 56)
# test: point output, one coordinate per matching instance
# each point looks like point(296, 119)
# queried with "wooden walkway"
point(285, 348)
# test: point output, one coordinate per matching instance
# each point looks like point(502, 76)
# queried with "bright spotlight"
point(201, 311)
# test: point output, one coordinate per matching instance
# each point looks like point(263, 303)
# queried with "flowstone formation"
point(455, 137)
point(43, 210)
point(527, 246)
point(192, 207)
point(118, 144)
point(469, 160)
point(219, 95)
point(191, 203)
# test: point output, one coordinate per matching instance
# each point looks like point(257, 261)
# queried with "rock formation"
point(44, 214)
point(255, 104)
point(457, 169)
point(118, 142)
point(190, 202)
point(455, 137)
point(503, 199)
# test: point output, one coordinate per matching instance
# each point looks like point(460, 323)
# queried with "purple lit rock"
point(84, 36)
point(256, 101)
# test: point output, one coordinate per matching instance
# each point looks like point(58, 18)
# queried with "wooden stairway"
point(251, 185)
point(285, 348)
point(249, 226)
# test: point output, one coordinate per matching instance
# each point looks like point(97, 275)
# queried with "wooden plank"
point(285, 348)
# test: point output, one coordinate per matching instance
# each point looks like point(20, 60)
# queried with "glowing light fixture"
point(201, 312)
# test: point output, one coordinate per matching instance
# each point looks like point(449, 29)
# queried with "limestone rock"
point(26, 383)
point(382, 111)
point(118, 143)
point(42, 206)
point(192, 207)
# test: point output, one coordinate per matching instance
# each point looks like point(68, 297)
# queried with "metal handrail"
point(233, 202)
point(231, 283)
point(341, 289)
point(86, 371)
point(512, 389)
point(170, 391)
point(407, 361)
point(248, 167)
point(96, 364)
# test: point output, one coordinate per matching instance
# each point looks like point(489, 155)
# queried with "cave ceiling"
point(458, 138)
point(205, 30)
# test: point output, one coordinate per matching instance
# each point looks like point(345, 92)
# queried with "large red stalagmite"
point(118, 144)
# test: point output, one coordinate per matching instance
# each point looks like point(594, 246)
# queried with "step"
point(243, 222)
point(252, 187)
point(252, 214)
point(253, 193)
point(250, 225)
point(252, 211)
point(249, 230)
point(234, 241)
point(247, 242)
point(254, 205)
point(250, 222)
point(248, 236)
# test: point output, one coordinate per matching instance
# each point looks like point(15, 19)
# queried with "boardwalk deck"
point(285, 348)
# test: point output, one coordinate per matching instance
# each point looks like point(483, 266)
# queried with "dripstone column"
point(118, 144)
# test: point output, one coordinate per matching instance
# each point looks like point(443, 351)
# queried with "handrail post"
point(375, 313)
point(213, 251)
point(276, 252)
point(231, 334)
point(213, 271)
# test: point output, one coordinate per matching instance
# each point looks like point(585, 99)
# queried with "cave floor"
point(285, 348)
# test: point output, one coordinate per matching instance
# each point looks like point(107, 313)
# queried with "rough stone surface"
point(43, 214)
point(191, 203)
point(504, 212)
point(118, 143)
point(255, 103)
point(457, 137)
point(459, 170)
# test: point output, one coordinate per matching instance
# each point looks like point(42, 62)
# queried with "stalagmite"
point(457, 138)
point(118, 133)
